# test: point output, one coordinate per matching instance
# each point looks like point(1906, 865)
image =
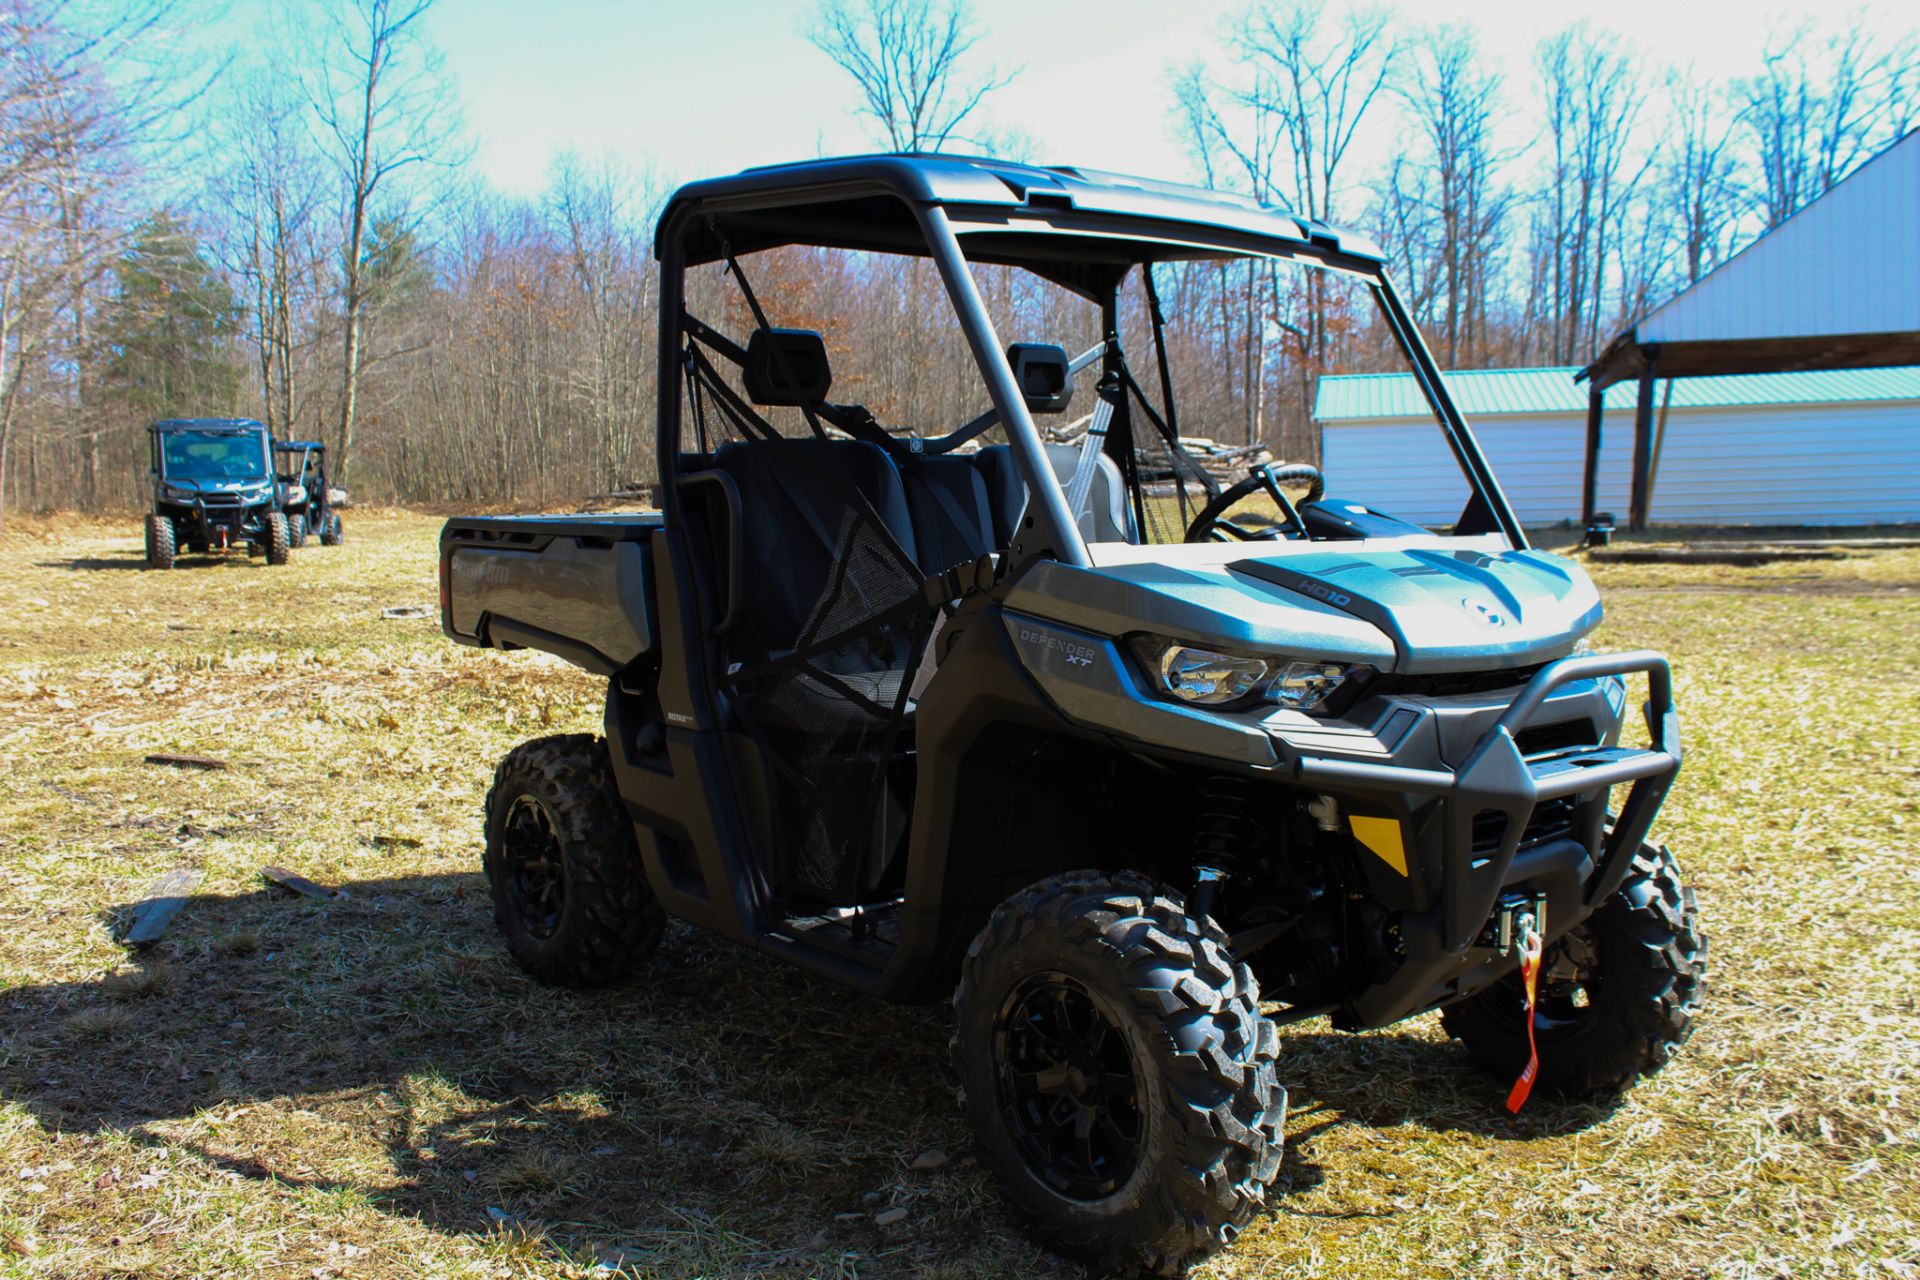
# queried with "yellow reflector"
point(1381, 836)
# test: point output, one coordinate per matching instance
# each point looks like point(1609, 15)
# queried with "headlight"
point(1302, 686)
point(1206, 677)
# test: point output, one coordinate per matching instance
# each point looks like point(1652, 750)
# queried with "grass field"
point(365, 1087)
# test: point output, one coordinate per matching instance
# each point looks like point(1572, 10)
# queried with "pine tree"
point(171, 328)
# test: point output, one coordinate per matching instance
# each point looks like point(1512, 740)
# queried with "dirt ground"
point(365, 1087)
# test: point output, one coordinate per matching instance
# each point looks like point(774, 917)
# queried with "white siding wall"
point(1794, 464)
point(1847, 263)
point(1790, 464)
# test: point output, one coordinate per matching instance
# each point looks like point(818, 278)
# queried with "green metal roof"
point(1483, 393)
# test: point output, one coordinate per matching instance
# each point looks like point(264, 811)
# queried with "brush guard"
point(1497, 777)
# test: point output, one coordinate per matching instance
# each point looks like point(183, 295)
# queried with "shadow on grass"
point(138, 560)
point(718, 1115)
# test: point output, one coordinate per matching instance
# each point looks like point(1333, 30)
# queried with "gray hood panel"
point(1403, 609)
point(1203, 605)
point(1448, 610)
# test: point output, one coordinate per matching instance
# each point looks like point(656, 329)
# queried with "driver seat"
point(796, 498)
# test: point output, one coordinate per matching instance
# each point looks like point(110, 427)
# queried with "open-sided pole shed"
point(1836, 286)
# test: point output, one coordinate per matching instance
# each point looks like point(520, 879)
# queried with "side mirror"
point(1040, 371)
point(786, 367)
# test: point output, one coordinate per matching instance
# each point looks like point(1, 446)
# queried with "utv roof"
point(290, 445)
point(206, 424)
point(861, 202)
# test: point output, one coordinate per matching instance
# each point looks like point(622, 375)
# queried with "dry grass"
point(365, 1087)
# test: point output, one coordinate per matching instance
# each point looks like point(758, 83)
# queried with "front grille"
point(1552, 820)
point(1453, 684)
point(1541, 739)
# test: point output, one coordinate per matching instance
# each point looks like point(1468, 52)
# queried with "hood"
point(216, 486)
point(1448, 610)
point(1404, 609)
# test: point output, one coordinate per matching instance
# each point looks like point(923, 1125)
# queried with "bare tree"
point(267, 198)
point(1819, 108)
point(1281, 129)
point(1452, 102)
point(603, 213)
point(1592, 98)
point(1700, 174)
point(905, 57)
point(384, 108)
point(79, 101)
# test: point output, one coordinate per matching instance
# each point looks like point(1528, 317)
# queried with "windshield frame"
point(1141, 242)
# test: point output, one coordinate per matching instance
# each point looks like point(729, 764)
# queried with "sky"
point(691, 90)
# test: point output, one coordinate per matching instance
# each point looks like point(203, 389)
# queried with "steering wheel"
point(1211, 525)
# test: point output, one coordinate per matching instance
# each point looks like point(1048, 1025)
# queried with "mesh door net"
point(831, 712)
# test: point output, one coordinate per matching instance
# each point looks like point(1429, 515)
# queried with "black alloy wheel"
point(570, 891)
point(1117, 1072)
point(536, 874)
point(1068, 1087)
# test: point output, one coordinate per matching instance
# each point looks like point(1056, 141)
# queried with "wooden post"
point(1590, 494)
point(1642, 448)
point(1659, 439)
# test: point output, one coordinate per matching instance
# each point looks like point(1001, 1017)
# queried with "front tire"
point(1117, 1071)
point(1632, 978)
point(570, 893)
point(161, 552)
point(279, 539)
point(332, 532)
point(296, 531)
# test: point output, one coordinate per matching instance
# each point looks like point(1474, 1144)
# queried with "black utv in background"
point(305, 494)
point(213, 489)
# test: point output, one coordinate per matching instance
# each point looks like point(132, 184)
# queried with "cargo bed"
point(578, 586)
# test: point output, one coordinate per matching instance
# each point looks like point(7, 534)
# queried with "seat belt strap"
point(1089, 462)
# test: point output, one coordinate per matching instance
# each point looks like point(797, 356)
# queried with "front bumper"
point(223, 519)
point(1438, 945)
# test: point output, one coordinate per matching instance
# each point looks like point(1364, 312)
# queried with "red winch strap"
point(1530, 978)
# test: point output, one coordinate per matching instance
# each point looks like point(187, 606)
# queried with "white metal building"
point(1781, 388)
point(1826, 447)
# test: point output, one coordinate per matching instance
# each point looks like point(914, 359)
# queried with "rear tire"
point(1117, 1071)
point(278, 538)
point(160, 542)
point(570, 893)
point(296, 531)
point(332, 533)
point(1642, 961)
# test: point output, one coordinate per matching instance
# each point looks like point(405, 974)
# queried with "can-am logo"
point(1077, 655)
point(1489, 616)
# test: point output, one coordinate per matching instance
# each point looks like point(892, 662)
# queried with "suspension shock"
point(1226, 832)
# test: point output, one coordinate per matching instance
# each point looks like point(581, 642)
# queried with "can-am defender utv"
point(1061, 724)
point(305, 494)
point(213, 489)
